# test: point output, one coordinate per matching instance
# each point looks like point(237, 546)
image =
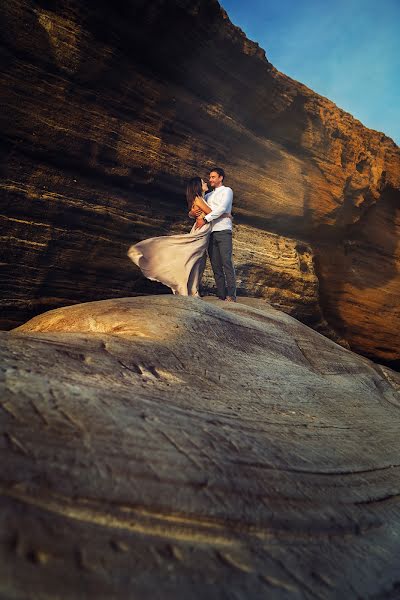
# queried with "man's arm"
point(224, 205)
point(193, 214)
point(199, 207)
point(224, 208)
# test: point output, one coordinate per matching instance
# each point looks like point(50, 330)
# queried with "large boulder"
point(167, 447)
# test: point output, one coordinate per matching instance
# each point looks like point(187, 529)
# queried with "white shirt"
point(220, 201)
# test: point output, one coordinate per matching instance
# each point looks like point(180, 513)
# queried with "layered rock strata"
point(166, 447)
point(109, 109)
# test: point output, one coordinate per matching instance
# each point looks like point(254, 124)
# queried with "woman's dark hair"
point(193, 189)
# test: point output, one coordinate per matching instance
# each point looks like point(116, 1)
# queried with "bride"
point(178, 261)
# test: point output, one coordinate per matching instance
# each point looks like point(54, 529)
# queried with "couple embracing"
point(178, 261)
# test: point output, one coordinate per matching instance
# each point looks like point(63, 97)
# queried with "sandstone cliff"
point(166, 448)
point(108, 109)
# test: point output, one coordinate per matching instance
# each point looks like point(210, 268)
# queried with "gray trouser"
point(220, 253)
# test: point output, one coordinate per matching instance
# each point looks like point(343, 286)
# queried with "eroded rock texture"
point(108, 109)
point(167, 448)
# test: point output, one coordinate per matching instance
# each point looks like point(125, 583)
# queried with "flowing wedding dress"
point(177, 261)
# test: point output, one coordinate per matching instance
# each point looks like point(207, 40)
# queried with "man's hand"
point(194, 213)
point(200, 222)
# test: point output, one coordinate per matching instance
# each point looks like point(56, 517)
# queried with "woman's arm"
point(199, 202)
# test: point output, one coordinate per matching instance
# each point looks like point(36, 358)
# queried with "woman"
point(177, 260)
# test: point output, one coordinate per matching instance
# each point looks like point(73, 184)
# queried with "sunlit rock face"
point(166, 447)
point(110, 108)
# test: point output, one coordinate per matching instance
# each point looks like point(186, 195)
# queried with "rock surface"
point(108, 109)
point(167, 447)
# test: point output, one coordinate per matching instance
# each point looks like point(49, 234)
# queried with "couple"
point(178, 261)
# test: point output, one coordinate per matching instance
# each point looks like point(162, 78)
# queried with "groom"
point(220, 245)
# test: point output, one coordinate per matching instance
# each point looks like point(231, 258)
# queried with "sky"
point(346, 50)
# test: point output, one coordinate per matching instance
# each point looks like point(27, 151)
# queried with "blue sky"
point(346, 50)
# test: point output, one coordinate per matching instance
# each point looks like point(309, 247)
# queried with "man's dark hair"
point(218, 170)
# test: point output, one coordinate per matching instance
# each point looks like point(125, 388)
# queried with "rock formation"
point(109, 108)
point(164, 447)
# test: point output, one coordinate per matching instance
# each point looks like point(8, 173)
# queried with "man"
point(220, 244)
